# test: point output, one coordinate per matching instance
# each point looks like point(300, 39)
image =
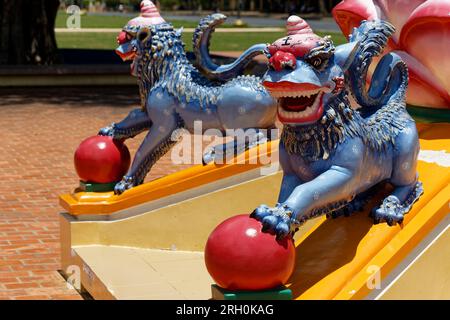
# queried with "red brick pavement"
point(39, 131)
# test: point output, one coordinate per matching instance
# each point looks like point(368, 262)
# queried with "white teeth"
point(310, 110)
point(293, 94)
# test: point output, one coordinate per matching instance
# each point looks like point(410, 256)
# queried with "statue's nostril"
point(122, 37)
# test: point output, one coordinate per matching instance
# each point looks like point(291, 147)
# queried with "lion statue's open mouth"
point(298, 103)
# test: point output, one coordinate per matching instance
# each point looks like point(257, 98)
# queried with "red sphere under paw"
point(239, 256)
point(100, 159)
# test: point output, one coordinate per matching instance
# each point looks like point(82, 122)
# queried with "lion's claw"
point(269, 223)
point(124, 185)
point(275, 220)
point(261, 212)
point(391, 211)
point(107, 131)
point(282, 230)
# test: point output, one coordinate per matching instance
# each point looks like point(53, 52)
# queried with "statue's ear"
point(345, 53)
point(179, 32)
point(143, 35)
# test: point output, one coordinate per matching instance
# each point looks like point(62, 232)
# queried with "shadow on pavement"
point(79, 97)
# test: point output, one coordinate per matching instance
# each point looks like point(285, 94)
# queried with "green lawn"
point(96, 21)
point(221, 41)
point(236, 41)
point(90, 21)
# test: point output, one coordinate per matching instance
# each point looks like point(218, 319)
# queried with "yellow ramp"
point(110, 237)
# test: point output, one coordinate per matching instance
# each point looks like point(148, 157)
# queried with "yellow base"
point(336, 259)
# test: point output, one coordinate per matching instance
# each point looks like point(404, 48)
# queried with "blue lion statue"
point(340, 139)
point(175, 94)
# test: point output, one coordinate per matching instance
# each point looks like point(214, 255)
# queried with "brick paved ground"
point(39, 131)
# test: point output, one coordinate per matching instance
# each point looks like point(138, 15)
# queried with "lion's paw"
point(107, 131)
point(122, 186)
point(276, 220)
point(390, 211)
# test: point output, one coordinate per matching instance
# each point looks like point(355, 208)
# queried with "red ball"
point(239, 256)
point(100, 159)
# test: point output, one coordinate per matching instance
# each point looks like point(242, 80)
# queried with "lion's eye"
point(142, 35)
point(316, 62)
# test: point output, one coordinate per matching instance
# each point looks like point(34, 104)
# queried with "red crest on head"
point(296, 25)
point(299, 41)
point(149, 17)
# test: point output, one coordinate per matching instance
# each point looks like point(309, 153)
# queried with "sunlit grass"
point(235, 41)
point(117, 21)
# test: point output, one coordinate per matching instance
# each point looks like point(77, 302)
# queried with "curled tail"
point(201, 40)
point(390, 78)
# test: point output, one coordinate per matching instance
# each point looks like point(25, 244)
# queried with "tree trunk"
point(323, 8)
point(27, 34)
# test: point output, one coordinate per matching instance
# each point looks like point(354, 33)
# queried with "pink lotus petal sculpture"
point(422, 39)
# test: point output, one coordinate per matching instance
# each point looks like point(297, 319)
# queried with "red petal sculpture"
point(422, 39)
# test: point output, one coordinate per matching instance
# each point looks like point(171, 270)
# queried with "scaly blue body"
point(331, 163)
point(175, 94)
